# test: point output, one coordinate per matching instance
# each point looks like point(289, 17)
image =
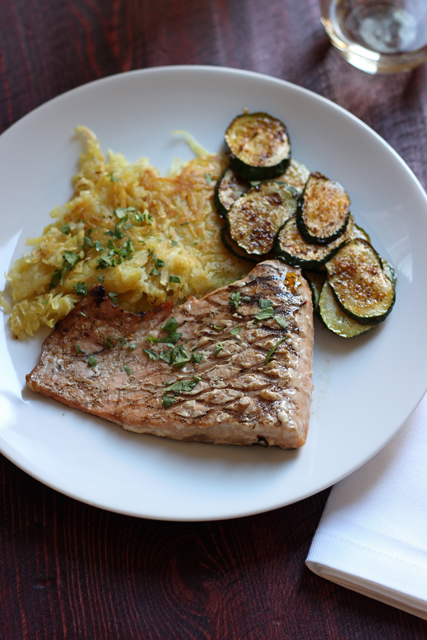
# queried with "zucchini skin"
point(254, 219)
point(316, 280)
point(356, 273)
point(359, 232)
point(296, 174)
point(234, 248)
point(334, 318)
point(389, 271)
point(259, 170)
point(307, 255)
point(235, 186)
point(333, 204)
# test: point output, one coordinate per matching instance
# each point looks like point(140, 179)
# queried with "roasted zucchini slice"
point(296, 174)
point(316, 280)
point(228, 188)
point(324, 210)
point(234, 248)
point(255, 218)
point(358, 232)
point(359, 284)
point(389, 271)
point(334, 317)
point(291, 247)
point(259, 146)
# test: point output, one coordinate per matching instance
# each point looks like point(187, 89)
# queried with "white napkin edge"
point(379, 592)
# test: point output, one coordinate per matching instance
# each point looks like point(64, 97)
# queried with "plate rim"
point(4, 446)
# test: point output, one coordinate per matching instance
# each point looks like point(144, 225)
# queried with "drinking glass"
point(378, 36)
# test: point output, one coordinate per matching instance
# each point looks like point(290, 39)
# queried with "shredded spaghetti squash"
point(145, 237)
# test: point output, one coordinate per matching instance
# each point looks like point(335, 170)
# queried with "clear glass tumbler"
point(378, 36)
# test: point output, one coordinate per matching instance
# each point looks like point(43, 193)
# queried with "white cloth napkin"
point(372, 537)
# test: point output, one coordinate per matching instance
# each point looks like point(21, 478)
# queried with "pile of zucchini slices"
point(274, 207)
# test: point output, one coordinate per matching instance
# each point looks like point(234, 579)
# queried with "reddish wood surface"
point(68, 570)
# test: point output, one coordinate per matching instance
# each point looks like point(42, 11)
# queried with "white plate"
point(364, 388)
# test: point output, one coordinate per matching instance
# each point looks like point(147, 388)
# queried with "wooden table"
point(68, 570)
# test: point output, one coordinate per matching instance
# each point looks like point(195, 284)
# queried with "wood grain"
point(68, 570)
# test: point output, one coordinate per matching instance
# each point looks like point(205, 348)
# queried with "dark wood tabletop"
point(69, 570)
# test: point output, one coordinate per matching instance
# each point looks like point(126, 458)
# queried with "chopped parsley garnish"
point(175, 279)
point(216, 327)
point(167, 401)
point(115, 255)
point(100, 279)
point(122, 342)
point(109, 342)
point(208, 178)
point(268, 312)
point(121, 212)
point(154, 272)
point(126, 368)
point(117, 233)
point(69, 262)
point(65, 228)
point(80, 288)
point(272, 350)
point(281, 321)
point(176, 356)
point(92, 362)
point(181, 357)
point(160, 263)
point(167, 356)
point(151, 354)
point(184, 224)
point(235, 331)
point(98, 245)
point(113, 178)
point(113, 296)
point(70, 259)
point(246, 299)
point(79, 351)
point(174, 243)
point(218, 348)
point(234, 299)
point(172, 337)
point(128, 248)
point(264, 303)
point(132, 346)
point(170, 326)
point(197, 357)
point(183, 385)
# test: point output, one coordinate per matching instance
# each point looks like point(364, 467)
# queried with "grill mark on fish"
point(238, 399)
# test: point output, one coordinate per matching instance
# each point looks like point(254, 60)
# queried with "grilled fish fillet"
point(98, 359)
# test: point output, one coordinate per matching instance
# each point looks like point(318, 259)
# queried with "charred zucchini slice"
point(316, 280)
point(259, 146)
point(389, 271)
point(228, 188)
point(255, 218)
point(291, 247)
point(296, 174)
point(324, 210)
point(234, 248)
point(358, 232)
point(335, 319)
point(359, 284)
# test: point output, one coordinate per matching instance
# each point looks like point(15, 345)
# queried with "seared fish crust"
point(98, 359)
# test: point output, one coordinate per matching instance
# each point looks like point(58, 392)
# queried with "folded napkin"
point(372, 537)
